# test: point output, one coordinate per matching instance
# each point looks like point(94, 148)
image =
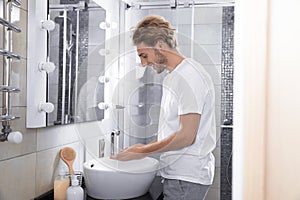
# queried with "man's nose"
point(144, 62)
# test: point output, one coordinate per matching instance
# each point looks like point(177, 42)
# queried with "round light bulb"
point(15, 137)
point(48, 25)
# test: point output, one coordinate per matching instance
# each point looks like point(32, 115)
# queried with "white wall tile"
point(215, 73)
point(18, 178)
point(92, 147)
point(92, 129)
point(218, 97)
point(54, 136)
point(185, 50)
point(183, 16)
point(208, 54)
point(208, 34)
point(218, 117)
point(208, 15)
point(184, 35)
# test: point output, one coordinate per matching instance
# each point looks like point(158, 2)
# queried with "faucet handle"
point(115, 132)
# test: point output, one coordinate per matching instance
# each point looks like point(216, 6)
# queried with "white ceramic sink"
point(112, 179)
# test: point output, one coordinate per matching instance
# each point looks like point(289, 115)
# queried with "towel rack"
point(6, 89)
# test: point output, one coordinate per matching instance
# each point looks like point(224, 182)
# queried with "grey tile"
point(19, 18)
point(20, 173)
point(217, 155)
point(213, 194)
point(216, 182)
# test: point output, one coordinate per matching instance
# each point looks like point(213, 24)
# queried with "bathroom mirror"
point(76, 46)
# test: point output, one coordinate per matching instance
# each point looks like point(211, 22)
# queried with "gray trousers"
point(183, 190)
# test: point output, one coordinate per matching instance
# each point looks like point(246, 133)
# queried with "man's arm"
point(184, 137)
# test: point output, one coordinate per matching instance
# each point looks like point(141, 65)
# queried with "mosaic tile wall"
point(227, 73)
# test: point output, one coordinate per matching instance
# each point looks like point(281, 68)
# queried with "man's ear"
point(159, 44)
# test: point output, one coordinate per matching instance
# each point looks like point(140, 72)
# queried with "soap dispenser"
point(75, 191)
point(61, 184)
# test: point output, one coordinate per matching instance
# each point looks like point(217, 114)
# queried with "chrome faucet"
point(114, 136)
point(101, 148)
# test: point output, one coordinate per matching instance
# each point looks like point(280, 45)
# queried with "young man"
point(187, 129)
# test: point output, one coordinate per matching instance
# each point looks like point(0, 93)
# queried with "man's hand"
point(133, 152)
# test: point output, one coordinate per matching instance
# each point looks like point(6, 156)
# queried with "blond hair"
point(153, 28)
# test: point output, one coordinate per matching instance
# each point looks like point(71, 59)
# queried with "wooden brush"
point(68, 155)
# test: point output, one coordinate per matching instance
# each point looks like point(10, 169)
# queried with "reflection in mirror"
point(75, 47)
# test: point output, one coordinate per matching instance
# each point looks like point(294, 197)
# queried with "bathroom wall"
point(30, 166)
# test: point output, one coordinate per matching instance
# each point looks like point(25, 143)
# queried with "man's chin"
point(158, 71)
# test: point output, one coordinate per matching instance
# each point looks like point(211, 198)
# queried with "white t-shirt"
point(188, 89)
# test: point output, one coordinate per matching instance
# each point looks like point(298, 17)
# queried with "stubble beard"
point(160, 62)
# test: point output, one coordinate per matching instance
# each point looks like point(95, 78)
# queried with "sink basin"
point(106, 178)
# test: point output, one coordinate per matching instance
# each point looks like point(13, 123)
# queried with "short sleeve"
point(191, 96)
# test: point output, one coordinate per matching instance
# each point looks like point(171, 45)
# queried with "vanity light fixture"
point(15, 137)
point(103, 79)
point(103, 52)
point(48, 25)
point(47, 67)
point(46, 107)
point(105, 106)
point(106, 25)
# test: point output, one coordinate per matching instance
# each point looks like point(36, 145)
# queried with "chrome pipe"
point(64, 67)
point(16, 2)
point(9, 54)
point(178, 4)
point(76, 61)
point(7, 44)
point(114, 137)
point(9, 25)
point(5, 88)
point(6, 118)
